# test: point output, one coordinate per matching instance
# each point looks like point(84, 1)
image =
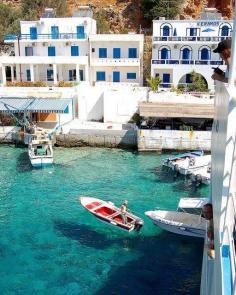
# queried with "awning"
point(37, 105)
point(176, 110)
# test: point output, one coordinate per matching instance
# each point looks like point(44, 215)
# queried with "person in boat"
point(123, 210)
point(224, 50)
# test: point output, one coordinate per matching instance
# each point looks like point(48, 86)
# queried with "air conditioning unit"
point(33, 44)
point(45, 44)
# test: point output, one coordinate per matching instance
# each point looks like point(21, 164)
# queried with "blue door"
point(165, 53)
point(116, 76)
point(166, 80)
point(28, 75)
point(166, 31)
point(51, 51)
point(74, 50)
point(70, 75)
point(49, 75)
point(186, 55)
point(80, 32)
point(33, 33)
point(225, 31)
point(116, 52)
point(102, 52)
point(101, 76)
point(132, 52)
point(55, 32)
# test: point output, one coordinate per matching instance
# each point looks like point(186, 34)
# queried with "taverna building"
point(183, 46)
point(69, 49)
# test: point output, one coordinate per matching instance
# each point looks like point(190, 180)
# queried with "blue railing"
point(62, 36)
point(190, 38)
point(185, 62)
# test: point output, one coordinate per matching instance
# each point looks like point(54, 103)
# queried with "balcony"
point(185, 62)
point(61, 36)
point(115, 62)
point(189, 39)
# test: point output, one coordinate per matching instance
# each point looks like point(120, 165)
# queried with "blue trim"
point(66, 110)
point(51, 51)
point(102, 52)
point(49, 75)
point(100, 76)
point(80, 32)
point(116, 52)
point(28, 75)
point(227, 278)
point(132, 52)
point(55, 32)
point(116, 76)
point(33, 33)
point(131, 76)
point(74, 50)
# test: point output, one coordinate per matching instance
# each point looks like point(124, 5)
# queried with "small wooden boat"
point(109, 213)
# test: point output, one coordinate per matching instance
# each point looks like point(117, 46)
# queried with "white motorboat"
point(192, 205)
point(202, 175)
point(191, 164)
point(174, 161)
point(179, 222)
point(40, 152)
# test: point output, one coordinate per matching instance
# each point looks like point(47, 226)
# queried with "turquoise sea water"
point(49, 244)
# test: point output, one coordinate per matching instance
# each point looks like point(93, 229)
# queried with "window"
point(101, 76)
point(51, 51)
point(165, 53)
point(29, 51)
point(55, 32)
point(225, 31)
point(205, 54)
point(116, 76)
point(74, 50)
point(28, 75)
point(185, 53)
point(33, 33)
point(81, 75)
point(132, 52)
point(131, 76)
point(49, 75)
point(72, 75)
point(102, 52)
point(116, 52)
point(166, 31)
point(80, 32)
point(193, 32)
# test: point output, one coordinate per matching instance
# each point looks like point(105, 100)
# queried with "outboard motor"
point(138, 224)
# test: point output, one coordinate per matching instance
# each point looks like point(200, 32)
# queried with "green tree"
point(154, 9)
point(198, 84)
point(9, 20)
point(102, 23)
point(154, 83)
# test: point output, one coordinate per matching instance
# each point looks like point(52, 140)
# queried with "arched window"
point(186, 53)
point(205, 54)
point(225, 31)
point(166, 31)
point(165, 53)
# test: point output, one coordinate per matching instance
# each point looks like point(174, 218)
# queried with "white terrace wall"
point(157, 140)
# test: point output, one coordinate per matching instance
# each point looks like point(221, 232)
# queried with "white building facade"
point(183, 46)
point(68, 49)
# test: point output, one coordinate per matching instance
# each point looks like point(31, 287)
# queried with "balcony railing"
point(118, 61)
point(190, 38)
point(61, 36)
point(185, 62)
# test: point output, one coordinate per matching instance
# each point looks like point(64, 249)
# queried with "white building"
point(68, 49)
point(181, 46)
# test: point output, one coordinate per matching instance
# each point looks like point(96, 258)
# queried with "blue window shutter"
point(101, 76)
point(186, 53)
point(131, 76)
point(74, 50)
point(51, 51)
point(81, 75)
point(102, 52)
point(116, 52)
point(55, 32)
point(225, 31)
point(116, 76)
point(33, 33)
point(165, 53)
point(193, 32)
point(28, 75)
point(132, 52)
point(80, 32)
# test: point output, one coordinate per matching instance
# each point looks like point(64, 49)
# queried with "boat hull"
point(41, 162)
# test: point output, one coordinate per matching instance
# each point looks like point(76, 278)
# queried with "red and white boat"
point(109, 213)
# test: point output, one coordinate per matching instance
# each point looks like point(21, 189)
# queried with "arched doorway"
point(193, 82)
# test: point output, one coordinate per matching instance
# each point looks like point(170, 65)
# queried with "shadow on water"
point(161, 266)
point(23, 163)
point(164, 175)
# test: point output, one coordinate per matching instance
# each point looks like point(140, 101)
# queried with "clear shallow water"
point(49, 244)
